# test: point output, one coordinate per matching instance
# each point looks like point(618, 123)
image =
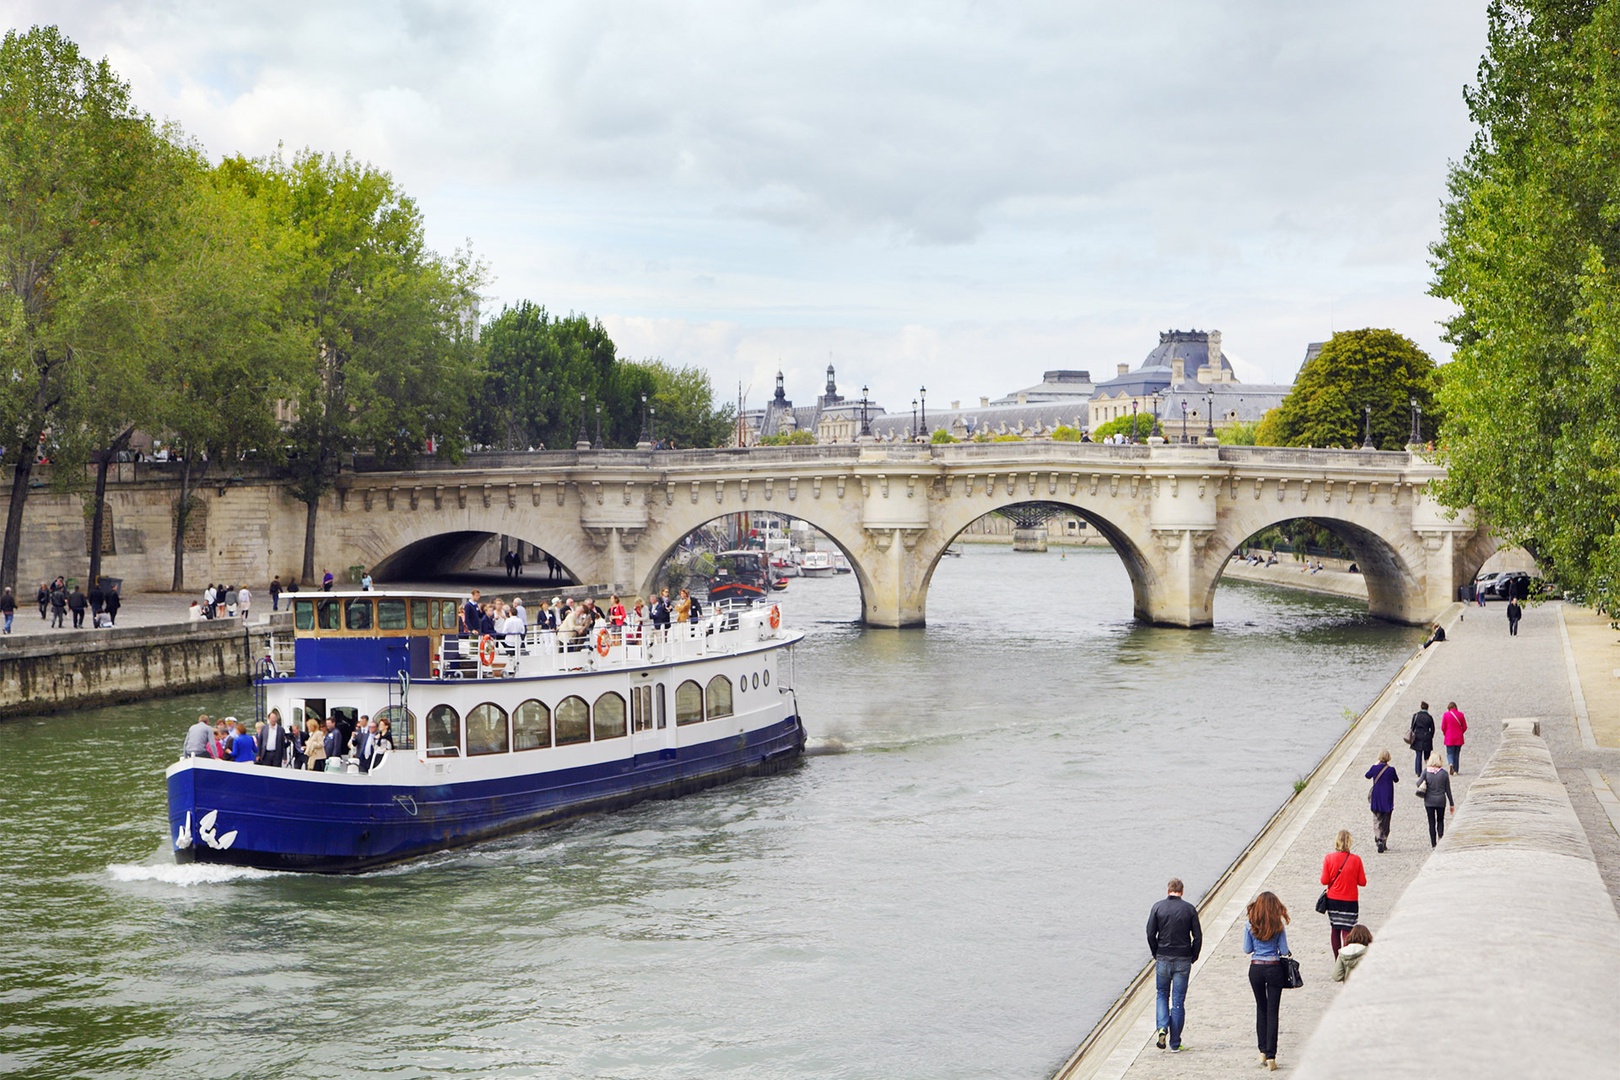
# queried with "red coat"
point(1350, 881)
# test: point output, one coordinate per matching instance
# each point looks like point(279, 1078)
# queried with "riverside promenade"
point(1538, 674)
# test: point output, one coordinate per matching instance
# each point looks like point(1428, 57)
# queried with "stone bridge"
point(1174, 513)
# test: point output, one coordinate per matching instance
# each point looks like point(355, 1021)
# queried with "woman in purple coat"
point(1382, 797)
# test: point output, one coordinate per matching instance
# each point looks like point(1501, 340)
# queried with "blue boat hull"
point(282, 823)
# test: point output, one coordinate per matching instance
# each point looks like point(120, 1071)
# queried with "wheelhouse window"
point(531, 726)
point(688, 703)
point(443, 732)
point(401, 726)
point(304, 614)
point(424, 614)
point(329, 614)
point(609, 717)
point(390, 614)
point(719, 696)
point(447, 614)
point(486, 730)
point(573, 721)
point(357, 614)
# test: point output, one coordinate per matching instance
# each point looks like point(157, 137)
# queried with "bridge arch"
point(390, 544)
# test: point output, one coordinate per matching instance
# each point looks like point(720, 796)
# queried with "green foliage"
point(1355, 369)
point(1239, 434)
point(537, 366)
point(941, 437)
point(789, 438)
point(1142, 422)
point(687, 414)
point(1006, 438)
point(1065, 433)
point(1530, 254)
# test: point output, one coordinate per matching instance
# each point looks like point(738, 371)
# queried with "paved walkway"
point(1491, 676)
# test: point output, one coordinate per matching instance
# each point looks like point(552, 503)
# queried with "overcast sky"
point(956, 195)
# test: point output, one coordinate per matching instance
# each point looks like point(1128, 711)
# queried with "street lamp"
point(598, 444)
point(923, 393)
point(913, 430)
point(1183, 419)
point(1133, 420)
point(1209, 428)
point(1158, 399)
point(584, 440)
point(866, 418)
point(1417, 426)
point(1412, 402)
point(1366, 434)
point(646, 437)
point(652, 424)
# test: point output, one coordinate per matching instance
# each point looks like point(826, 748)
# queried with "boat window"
point(719, 696)
point(531, 726)
point(609, 717)
point(447, 614)
point(329, 614)
point(304, 614)
point(767, 676)
point(573, 721)
point(663, 720)
point(390, 614)
point(688, 703)
point(401, 726)
point(756, 680)
point(486, 730)
point(443, 731)
point(357, 614)
point(424, 615)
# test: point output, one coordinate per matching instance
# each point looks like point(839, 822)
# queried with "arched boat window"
point(329, 613)
point(609, 717)
point(304, 614)
point(443, 732)
point(390, 614)
point(719, 696)
point(357, 614)
point(401, 726)
point(573, 721)
point(486, 730)
point(688, 703)
point(531, 726)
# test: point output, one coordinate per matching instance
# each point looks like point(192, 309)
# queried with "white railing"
point(547, 652)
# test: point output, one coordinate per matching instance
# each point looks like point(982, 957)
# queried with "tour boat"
point(490, 736)
point(814, 564)
point(743, 575)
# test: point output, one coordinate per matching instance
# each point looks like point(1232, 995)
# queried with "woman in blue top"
point(1382, 798)
point(1266, 942)
point(244, 747)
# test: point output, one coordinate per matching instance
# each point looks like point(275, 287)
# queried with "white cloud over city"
point(957, 195)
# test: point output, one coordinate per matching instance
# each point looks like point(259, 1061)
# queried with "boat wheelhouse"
point(741, 576)
point(491, 735)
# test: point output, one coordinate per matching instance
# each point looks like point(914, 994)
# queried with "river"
point(953, 884)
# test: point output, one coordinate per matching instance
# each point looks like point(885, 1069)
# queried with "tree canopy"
point(1530, 254)
point(1356, 369)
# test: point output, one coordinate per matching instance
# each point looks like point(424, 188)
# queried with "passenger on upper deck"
point(382, 743)
point(198, 736)
point(243, 748)
point(616, 612)
point(469, 614)
point(683, 607)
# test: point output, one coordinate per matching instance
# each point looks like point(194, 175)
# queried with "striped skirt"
point(1343, 913)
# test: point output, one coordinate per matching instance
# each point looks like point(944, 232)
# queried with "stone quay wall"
point(104, 667)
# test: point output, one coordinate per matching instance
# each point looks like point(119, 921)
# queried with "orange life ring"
point(603, 643)
point(776, 616)
point(486, 650)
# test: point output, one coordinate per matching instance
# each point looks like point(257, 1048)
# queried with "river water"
point(952, 885)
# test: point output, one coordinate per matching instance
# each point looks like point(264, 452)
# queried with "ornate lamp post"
point(1158, 398)
point(912, 431)
point(1412, 402)
point(1417, 426)
point(652, 424)
point(1133, 421)
point(598, 444)
point(584, 440)
point(923, 394)
point(645, 440)
point(1183, 420)
point(1366, 433)
point(866, 418)
point(1209, 427)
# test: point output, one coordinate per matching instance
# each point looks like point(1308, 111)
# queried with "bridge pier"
point(894, 579)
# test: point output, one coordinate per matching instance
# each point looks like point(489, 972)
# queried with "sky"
point(947, 195)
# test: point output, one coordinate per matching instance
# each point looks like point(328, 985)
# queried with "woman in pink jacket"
point(1453, 725)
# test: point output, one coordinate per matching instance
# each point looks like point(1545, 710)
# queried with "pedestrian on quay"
point(98, 600)
point(77, 604)
point(1175, 939)
point(326, 581)
point(1265, 940)
point(275, 593)
point(1355, 947)
point(58, 606)
point(1344, 876)
point(1435, 789)
point(1453, 726)
point(1381, 798)
point(1514, 614)
point(8, 607)
point(44, 599)
point(1420, 737)
point(244, 598)
point(113, 603)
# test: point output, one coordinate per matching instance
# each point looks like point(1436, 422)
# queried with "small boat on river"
point(814, 564)
point(490, 735)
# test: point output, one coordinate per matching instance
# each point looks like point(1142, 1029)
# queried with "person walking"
point(44, 599)
point(1355, 947)
point(1453, 726)
point(1436, 792)
point(113, 603)
point(58, 607)
point(1421, 738)
point(8, 607)
point(244, 600)
point(275, 593)
point(1175, 939)
point(1381, 798)
point(1265, 940)
point(1344, 876)
point(77, 604)
point(1514, 614)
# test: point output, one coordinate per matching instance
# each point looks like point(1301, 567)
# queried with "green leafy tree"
point(687, 414)
point(537, 366)
point(803, 438)
point(1530, 254)
point(394, 354)
point(1065, 433)
point(1356, 369)
point(78, 167)
point(1136, 427)
point(942, 437)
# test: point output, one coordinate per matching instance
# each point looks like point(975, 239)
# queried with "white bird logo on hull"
point(205, 832)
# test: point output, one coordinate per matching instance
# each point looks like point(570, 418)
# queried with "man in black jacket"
point(1422, 732)
point(1175, 939)
point(273, 744)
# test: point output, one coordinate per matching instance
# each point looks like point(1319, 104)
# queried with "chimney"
point(1023, 399)
point(1178, 370)
point(984, 402)
point(956, 405)
point(1124, 369)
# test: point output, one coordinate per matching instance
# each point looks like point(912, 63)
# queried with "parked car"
point(1505, 585)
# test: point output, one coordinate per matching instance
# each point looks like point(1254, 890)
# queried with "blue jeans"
point(1454, 758)
point(1171, 975)
point(9, 616)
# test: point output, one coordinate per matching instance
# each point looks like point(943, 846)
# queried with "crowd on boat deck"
point(333, 745)
point(573, 622)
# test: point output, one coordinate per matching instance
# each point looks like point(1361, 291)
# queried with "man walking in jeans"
point(1174, 938)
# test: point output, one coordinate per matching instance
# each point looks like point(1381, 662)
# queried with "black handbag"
point(1322, 901)
point(1292, 979)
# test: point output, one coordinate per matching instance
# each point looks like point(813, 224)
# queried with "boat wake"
point(185, 875)
point(826, 746)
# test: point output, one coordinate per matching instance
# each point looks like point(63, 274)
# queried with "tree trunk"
point(103, 459)
point(14, 513)
point(182, 517)
point(308, 575)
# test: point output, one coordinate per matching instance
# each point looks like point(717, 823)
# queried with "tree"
point(77, 168)
point(1136, 427)
point(1530, 254)
point(800, 437)
point(536, 367)
point(687, 415)
point(392, 325)
point(1355, 370)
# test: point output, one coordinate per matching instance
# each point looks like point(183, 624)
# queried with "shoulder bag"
point(1322, 901)
point(1422, 789)
point(1292, 979)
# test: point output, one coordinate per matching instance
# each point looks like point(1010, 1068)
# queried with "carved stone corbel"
point(1030, 483)
point(598, 538)
point(1282, 489)
point(719, 492)
point(486, 496)
point(669, 493)
point(534, 494)
point(909, 537)
point(366, 498)
point(1136, 485)
point(1074, 484)
point(770, 484)
point(793, 489)
point(1113, 485)
point(1096, 478)
point(1169, 539)
point(562, 492)
point(911, 486)
point(629, 538)
point(597, 492)
point(416, 497)
point(840, 485)
point(461, 496)
point(815, 487)
point(696, 487)
point(1051, 484)
point(1259, 486)
point(1203, 482)
point(438, 496)
point(742, 490)
point(388, 495)
point(1327, 491)
point(511, 496)
point(881, 538)
point(1304, 491)
point(629, 492)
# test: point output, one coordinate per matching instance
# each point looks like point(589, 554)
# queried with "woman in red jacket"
point(1344, 875)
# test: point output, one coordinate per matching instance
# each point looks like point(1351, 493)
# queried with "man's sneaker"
point(1163, 1037)
point(1176, 1049)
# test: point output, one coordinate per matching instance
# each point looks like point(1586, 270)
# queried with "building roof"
point(1058, 385)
